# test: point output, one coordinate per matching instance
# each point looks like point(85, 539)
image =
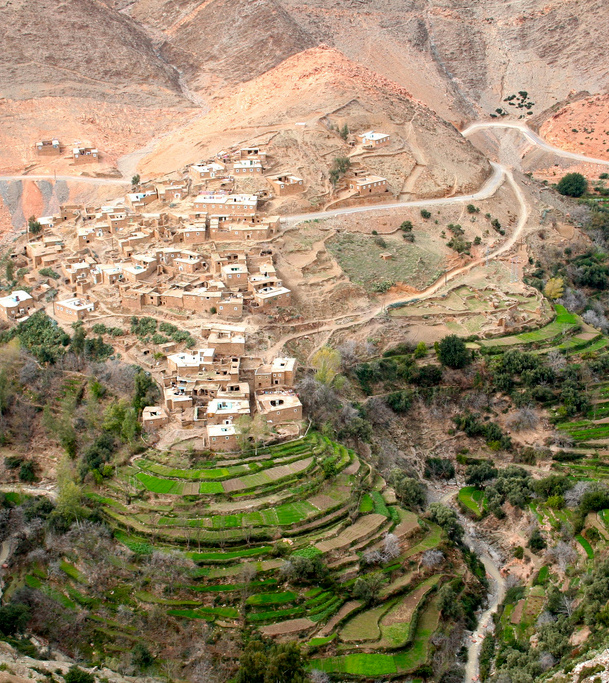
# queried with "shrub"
point(425, 213)
point(77, 675)
point(27, 472)
point(472, 209)
point(536, 541)
point(406, 226)
point(453, 353)
point(572, 185)
point(13, 618)
point(518, 552)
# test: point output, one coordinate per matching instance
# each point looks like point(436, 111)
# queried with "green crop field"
point(157, 485)
point(563, 323)
point(271, 598)
point(586, 546)
point(473, 499)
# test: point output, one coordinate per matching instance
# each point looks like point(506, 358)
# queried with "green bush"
point(453, 353)
point(572, 185)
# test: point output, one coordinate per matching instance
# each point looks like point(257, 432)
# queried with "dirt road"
point(532, 137)
point(487, 190)
point(70, 178)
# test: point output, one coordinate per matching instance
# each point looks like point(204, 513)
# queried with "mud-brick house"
point(85, 155)
point(368, 185)
point(48, 148)
point(16, 306)
point(370, 139)
point(279, 406)
point(222, 437)
point(279, 373)
point(72, 310)
point(243, 167)
point(286, 184)
point(154, 417)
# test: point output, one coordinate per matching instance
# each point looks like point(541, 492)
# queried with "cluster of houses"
point(185, 244)
point(216, 388)
point(79, 154)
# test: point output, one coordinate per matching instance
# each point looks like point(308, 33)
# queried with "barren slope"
point(458, 54)
point(218, 42)
point(319, 86)
point(81, 48)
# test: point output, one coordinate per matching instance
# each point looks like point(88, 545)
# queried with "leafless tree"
point(546, 661)
point(524, 418)
point(556, 360)
point(545, 618)
point(372, 557)
point(563, 554)
point(378, 412)
point(432, 558)
point(561, 439)
point(391, 547)
point(574, 495)
point(317, 676)
point(597, 320)
point(574, 300)
point(350, 354)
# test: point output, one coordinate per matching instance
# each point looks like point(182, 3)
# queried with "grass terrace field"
point(257, 511)
point(563, 324)
point(473, 499)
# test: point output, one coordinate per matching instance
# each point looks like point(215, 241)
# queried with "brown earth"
point(317, 86)
point(581, 127)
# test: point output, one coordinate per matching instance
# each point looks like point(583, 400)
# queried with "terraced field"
point(244, 516)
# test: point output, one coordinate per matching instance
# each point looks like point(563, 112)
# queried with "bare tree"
point(524, 418)
point(574, 495)
point(556, 360)
point(563, 554)
point(546, 661)
point(432, 558)
point(596, 319)
point(317, 676)
point(391, 547)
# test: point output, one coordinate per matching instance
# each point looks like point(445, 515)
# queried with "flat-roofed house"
point(207, 171)
point(367, 185)
point(191, 363)
point(222, 437)
point(71, 310)
point(370, 139)
point(226, 411)
point(154, 417)
point(16, 306)
point(230, 307)
point(227, 342)
point(278, 373)
point(193, 234)
point(48, 148)
point(223, 229)
point(226, 204)
point(235, 276)
point(279, 406)
point(251, 153)
point(138, 200)
point(85, 155)
point(247, 167)
point(271, 297)
point(286, 184)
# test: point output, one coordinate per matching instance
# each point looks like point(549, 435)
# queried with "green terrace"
point(564, 323)
point(257, 512)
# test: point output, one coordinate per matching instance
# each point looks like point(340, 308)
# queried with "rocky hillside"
point(464, 58)
point(317, 89)
point(219, 42)
point(83, 48)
